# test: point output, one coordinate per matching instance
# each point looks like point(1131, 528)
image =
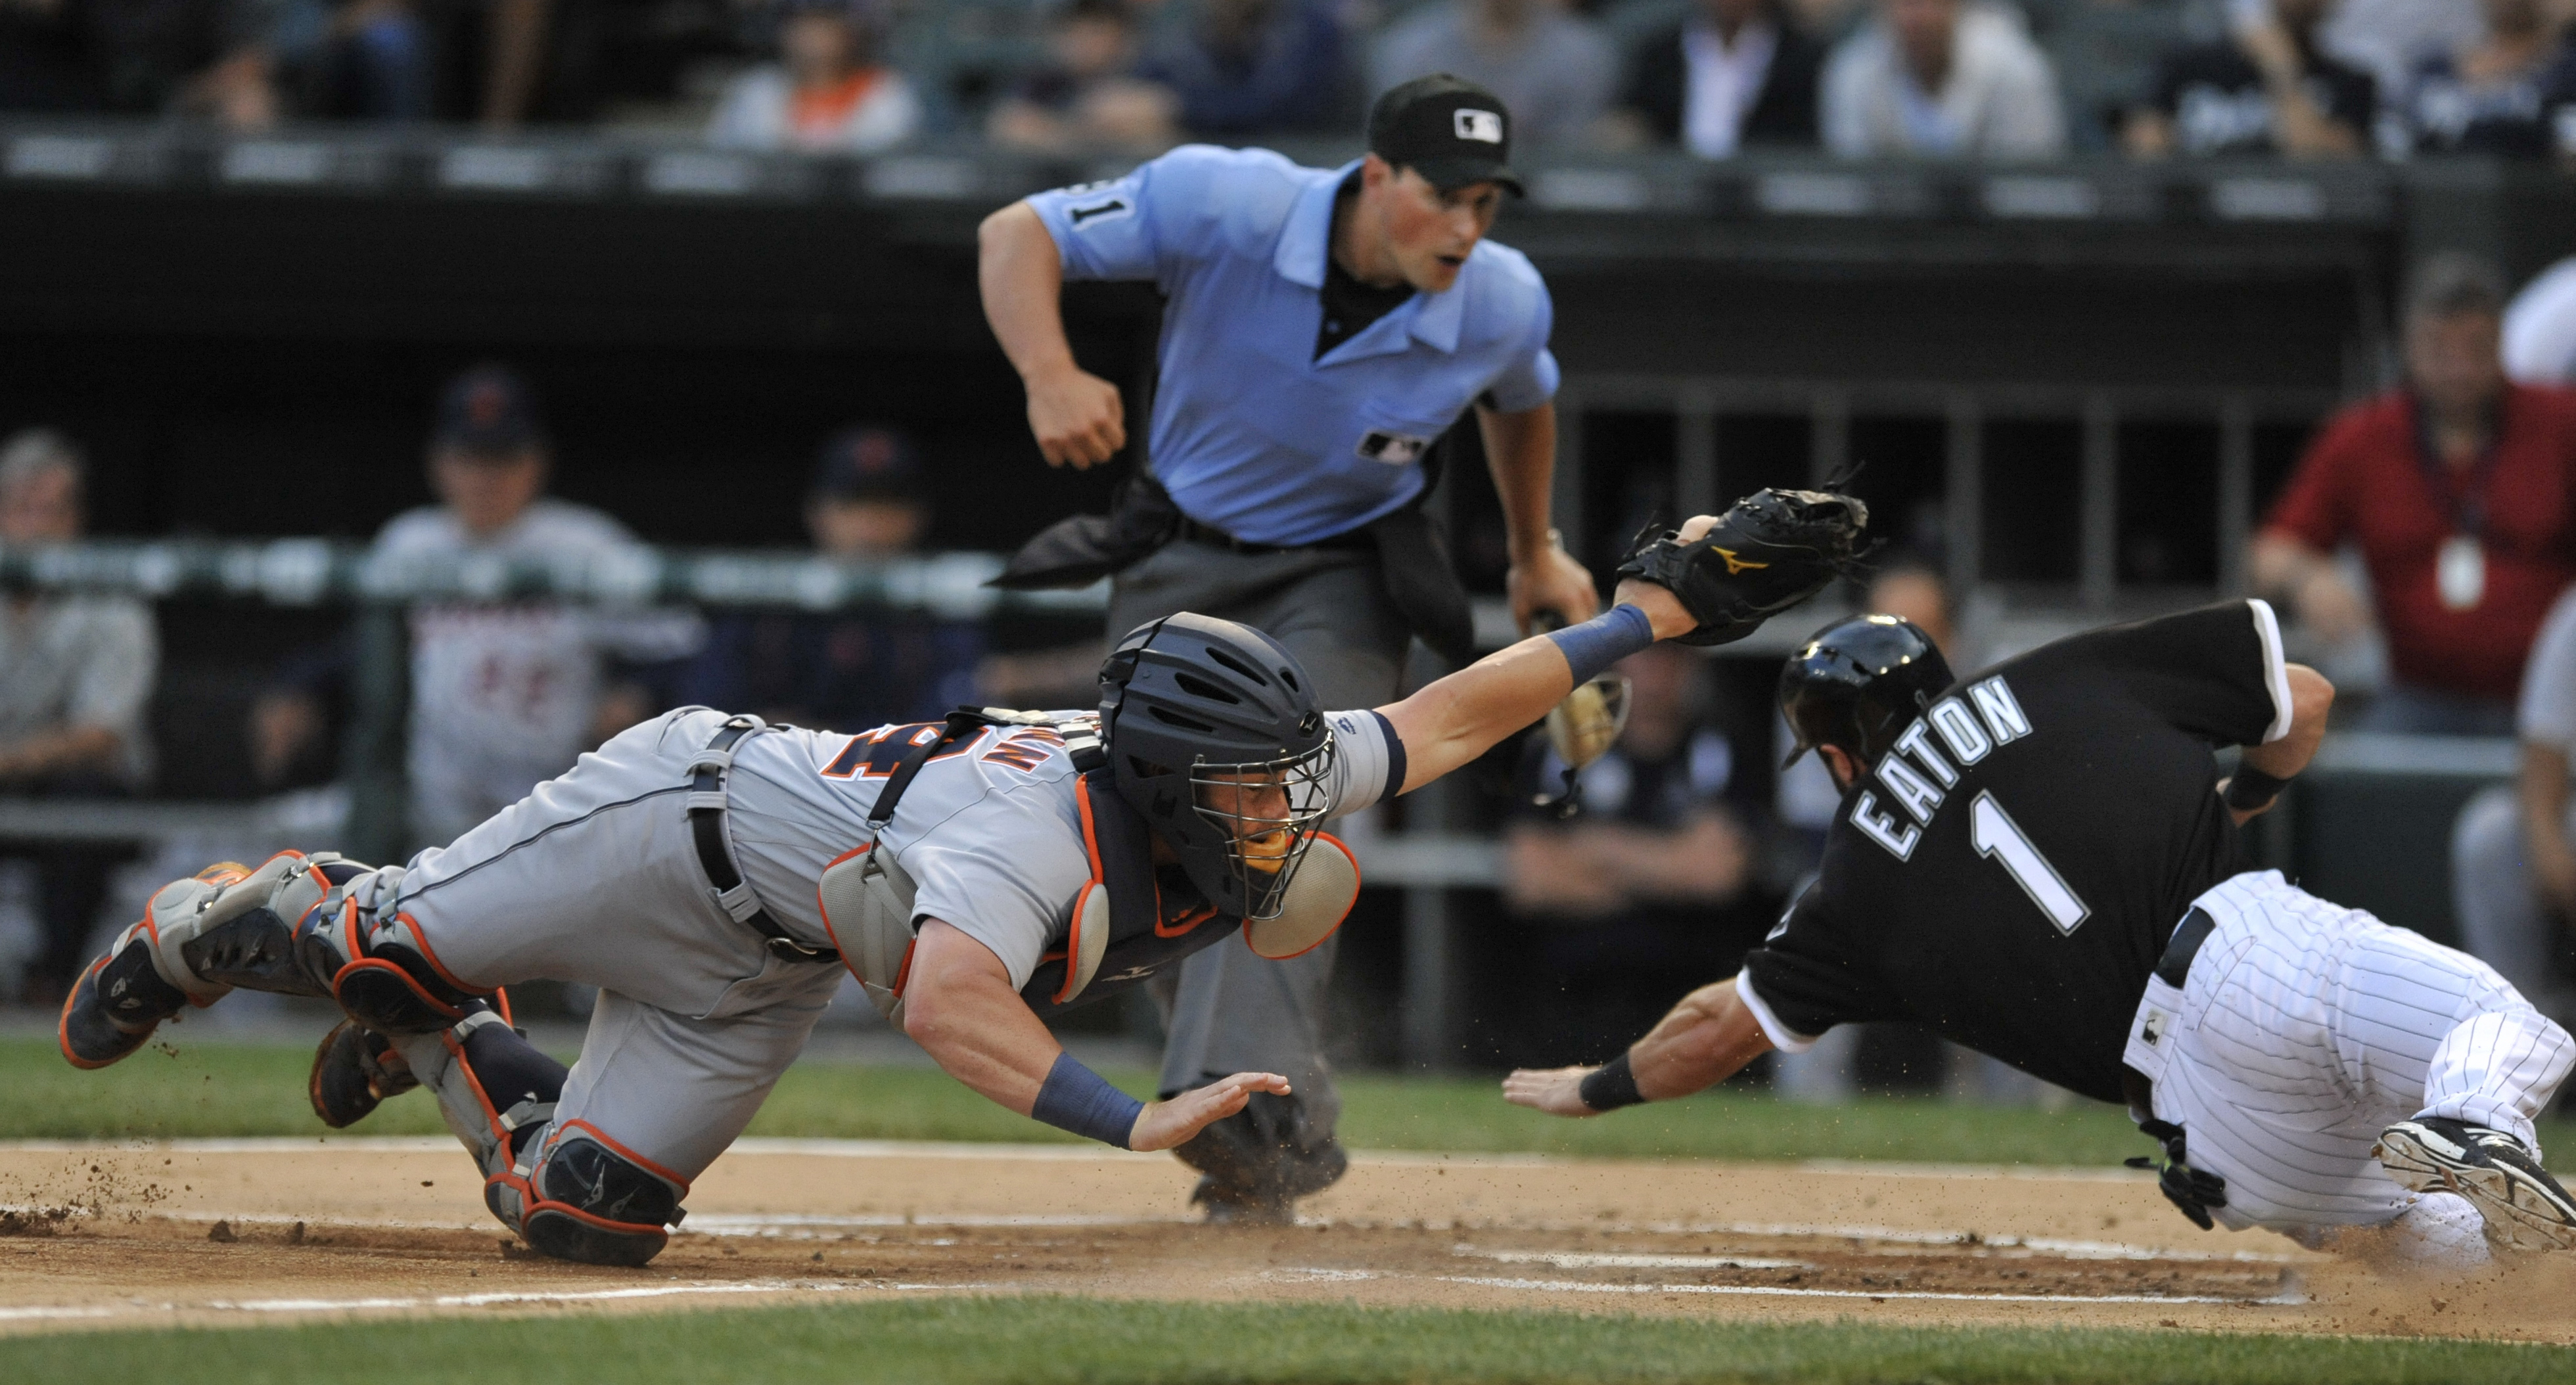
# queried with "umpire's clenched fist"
point(1078, 418)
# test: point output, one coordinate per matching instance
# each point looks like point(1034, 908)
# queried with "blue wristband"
point(1077, 1099)
point(1592, 647)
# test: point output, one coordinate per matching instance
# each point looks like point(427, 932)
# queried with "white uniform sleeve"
point(2548, 712)
point(1368, 761)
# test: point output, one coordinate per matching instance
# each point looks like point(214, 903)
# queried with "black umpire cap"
point(1450, 130)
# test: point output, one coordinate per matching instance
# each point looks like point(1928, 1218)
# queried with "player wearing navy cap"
point(1323, 328)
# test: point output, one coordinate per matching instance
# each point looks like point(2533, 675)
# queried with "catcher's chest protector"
point(1119, 935)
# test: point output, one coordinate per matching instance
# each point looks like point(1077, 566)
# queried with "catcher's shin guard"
point(579, 1195)
point(228, 925)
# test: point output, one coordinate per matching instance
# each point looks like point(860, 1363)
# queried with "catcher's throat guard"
point(1118, 936)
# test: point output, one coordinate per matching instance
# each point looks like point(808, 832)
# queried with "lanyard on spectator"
point(2468, 506)
point(2460, 565)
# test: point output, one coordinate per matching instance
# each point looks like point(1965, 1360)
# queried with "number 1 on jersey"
point(1998, 838)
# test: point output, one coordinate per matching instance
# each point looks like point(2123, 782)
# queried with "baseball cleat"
point(355, 1069)
point(2523, 1206)
point(116, 1004)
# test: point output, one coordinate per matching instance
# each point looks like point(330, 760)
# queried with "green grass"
point(932, 1341)
point(232, 1090)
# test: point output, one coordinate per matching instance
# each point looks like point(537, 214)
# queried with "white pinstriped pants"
point(2306, 1028)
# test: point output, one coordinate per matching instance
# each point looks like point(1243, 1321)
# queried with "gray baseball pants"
point(1231, 1011)
point(594, 877)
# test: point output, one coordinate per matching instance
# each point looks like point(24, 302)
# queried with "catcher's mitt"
point(1769, 552)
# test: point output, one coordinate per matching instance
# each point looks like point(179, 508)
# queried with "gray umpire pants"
point(1232, 1011)
point(2503, 920)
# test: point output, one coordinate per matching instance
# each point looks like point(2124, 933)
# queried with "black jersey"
point(2010, 872)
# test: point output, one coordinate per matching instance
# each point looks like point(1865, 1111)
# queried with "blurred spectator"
point(503, 696)
point(1945, 79)
point(354, 59)
point(205, 58)
point(847, 670)
point(1556, 71)
point(1731, 74)
point(2501, 95)
point(1253, 67)
point(75, 672)
point(1625, 890)
point(2457, 487)
point(1085, 95)
point(2267, 90)
point(2513, 850)
point(2540, 328)
point(828, 93)
point(2386, 38)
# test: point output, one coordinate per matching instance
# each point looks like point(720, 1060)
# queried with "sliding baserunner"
point(2041, 863)
point(708, 872)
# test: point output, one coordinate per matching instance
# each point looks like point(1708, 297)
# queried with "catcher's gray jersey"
point(990, 828)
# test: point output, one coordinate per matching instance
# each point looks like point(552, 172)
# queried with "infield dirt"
point(271, 1230)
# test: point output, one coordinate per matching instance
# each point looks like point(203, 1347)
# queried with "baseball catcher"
point(714, 875)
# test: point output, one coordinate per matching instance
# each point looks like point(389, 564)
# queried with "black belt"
point(1350, 539)
point(707, 826)
point(2173, 968)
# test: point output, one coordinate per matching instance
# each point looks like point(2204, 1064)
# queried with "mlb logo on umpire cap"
point(1448, 129)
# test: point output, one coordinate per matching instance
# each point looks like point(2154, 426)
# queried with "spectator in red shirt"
point(2460, 490)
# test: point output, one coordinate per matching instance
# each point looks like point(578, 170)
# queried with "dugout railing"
point(2368, 825)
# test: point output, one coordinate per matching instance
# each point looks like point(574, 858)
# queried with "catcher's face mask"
point(1270, 813)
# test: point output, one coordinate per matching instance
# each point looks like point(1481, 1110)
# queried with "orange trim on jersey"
point(501, 1002)
point(637, 1159)
point(1184, 924)
point(817, 112)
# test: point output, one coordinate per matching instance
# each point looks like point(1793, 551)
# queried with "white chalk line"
point(1577, 1286)
point(1608, 1260)
point(484, 1300)
point(817, 1226)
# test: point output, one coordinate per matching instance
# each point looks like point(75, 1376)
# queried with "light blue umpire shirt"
point(1251, 434)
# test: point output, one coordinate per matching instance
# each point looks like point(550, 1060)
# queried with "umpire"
point(1323, 328)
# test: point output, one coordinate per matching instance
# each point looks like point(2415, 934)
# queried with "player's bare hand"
point(1663, 609)
point(1077, 418)
point(1163, 1124)
point(1557, 1091)
point(1552, 581)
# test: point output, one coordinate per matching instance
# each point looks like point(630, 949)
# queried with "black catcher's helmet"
point(1213, 735)
point(1858, 683)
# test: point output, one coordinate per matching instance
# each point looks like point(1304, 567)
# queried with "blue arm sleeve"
point(1105, 230)
point(1077, 1099)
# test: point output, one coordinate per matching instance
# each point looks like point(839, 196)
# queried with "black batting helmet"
point(1214, 736)
point(1858, 683)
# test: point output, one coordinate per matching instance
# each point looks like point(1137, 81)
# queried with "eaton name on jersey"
point(1916, 774)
